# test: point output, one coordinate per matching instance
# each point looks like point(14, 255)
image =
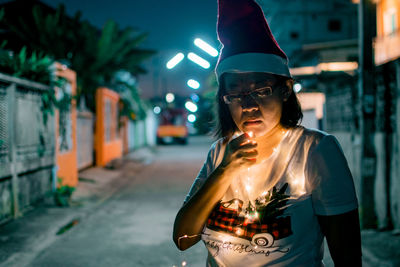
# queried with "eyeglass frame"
point(250, 93)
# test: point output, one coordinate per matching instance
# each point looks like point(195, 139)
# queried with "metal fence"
point(26, 147)
point(85, 140)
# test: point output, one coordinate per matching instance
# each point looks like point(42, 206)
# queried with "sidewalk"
point(21, 240)
point(381, 248)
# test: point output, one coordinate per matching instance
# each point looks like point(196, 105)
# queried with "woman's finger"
point(248, 145)
point(247, 161)
point(241, 140)
point(247, 154)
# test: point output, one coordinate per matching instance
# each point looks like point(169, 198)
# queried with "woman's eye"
point(262, 93)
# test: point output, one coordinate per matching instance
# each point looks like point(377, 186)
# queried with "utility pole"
point(367, 96)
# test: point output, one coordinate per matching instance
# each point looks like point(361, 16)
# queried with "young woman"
point(269, 190)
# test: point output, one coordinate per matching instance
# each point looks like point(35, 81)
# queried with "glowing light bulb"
point(251, 134)
point(295, 182)
point(183, 263)
point(239, 231)
point(248, 187)
point(255, 246)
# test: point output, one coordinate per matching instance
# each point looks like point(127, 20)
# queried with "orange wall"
point(381, 8)
point(106, 151)
point(67, 161)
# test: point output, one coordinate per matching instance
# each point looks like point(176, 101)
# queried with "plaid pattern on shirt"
point(229, 220)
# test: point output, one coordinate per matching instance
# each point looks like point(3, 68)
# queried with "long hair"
point(225, 127)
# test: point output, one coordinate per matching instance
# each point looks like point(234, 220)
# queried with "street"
point(134, 226)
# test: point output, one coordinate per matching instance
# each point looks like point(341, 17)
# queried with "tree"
point(96, 55)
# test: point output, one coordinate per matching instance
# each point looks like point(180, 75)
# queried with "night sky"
point(171, 24)
point(172, 27)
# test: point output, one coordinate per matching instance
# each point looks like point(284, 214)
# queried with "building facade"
point(387, 61)
point(298, 22)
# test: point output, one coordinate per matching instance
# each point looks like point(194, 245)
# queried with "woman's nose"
point(249, 104)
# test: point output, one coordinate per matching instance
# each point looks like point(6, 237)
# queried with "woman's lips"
point(252, 122)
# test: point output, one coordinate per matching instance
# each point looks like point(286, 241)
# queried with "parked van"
point(172, 126)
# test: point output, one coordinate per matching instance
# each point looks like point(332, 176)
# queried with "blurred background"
point(100, 96)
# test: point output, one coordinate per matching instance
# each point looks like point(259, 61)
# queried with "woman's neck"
point(269, 141)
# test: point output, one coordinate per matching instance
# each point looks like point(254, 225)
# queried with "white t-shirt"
point(268, 215)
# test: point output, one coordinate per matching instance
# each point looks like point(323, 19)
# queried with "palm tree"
point(96, 55)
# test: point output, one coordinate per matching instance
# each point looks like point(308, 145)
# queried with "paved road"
point(134, 227)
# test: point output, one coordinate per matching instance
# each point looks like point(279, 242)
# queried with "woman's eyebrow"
point(264, 83)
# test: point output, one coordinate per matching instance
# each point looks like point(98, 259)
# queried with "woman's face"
point(254, 107)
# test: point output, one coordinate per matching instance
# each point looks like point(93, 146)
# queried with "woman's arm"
point(342, 233)
point(190, 220)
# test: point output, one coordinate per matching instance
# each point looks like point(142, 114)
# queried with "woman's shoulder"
point(217, 145)
point(314, 139)
point(320, 141)
point(217, 149)
point(310, 134)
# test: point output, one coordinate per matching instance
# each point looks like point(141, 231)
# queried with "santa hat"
point(247, 42)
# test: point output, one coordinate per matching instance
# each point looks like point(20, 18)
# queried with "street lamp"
point(206, 47)
point(194, 97)
point(156, 110)
point(192, 118)
point(297, 87)
point(199, 60)
point(170, 97)
point(175, 60)
point(192, 107)
point(193, 84)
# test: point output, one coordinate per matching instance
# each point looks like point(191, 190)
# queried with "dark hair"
point(225, 126)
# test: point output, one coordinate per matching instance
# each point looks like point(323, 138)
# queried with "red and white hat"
point(247, 42)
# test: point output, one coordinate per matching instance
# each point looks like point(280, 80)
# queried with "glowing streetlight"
point(175, 60)
point(199, 60)
point(194, 97)
point(192, 107)
point(170, 97)
point(193, 84)
point(192, 118)
point(156, 110)
point(206, 47)
point(297, 87)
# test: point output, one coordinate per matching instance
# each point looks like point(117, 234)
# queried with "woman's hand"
point(190, 220)
point(239, 152)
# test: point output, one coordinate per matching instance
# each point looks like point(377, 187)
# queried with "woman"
point(270, 190)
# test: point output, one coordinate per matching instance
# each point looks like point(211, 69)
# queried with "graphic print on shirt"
point(260, 225)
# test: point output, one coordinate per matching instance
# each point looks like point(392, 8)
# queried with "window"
point(390, 21)
point(334, 25)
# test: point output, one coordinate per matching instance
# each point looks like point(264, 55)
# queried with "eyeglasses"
point(257, 94)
